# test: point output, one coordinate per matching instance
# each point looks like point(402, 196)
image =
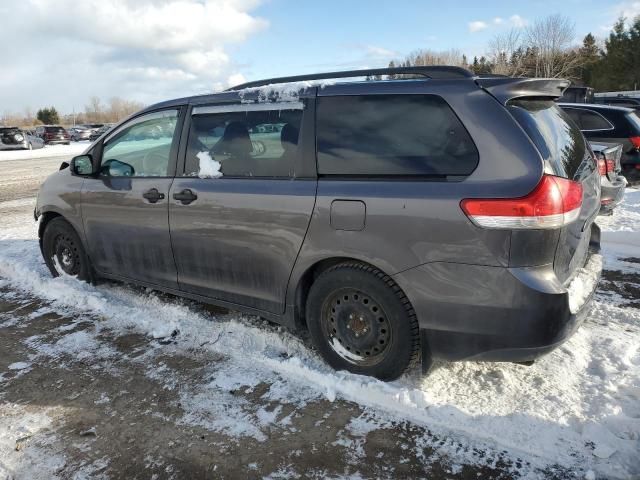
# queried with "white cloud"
point(236, 79)
point(629, 10)
point(517, 21)
point(514, 21)
point(477, 26)
point(140, 49)
point(380, 52)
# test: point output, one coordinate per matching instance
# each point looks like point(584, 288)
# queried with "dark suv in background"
point(609, 124)
point(620, 101)
point(449, 215)
point(52, 134)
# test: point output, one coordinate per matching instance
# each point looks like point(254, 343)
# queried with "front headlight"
point(19, 137)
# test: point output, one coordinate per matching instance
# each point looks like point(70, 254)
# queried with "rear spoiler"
point(508, 88)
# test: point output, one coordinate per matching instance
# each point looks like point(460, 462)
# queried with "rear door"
point(566, 154)
point(125, 208)
point(240, 209)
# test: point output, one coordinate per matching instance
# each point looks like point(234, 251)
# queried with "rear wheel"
point(361, 321)
point(63, 251)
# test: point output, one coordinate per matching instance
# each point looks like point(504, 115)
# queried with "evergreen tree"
point(590, 54)
point(48, 116)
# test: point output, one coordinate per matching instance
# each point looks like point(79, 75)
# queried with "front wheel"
point(361, 321)
point(63, 251)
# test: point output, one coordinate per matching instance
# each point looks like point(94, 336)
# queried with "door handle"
point(153, 195)
point(186, 196)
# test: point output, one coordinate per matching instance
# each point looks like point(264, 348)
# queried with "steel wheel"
point(66, 256)
point(356, 327)
point(63, 251)
point(361, 321)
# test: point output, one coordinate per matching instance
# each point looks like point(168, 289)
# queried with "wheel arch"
point(304, 282)
point(45, 218)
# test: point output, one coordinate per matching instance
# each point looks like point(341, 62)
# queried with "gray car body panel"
point(252, 244)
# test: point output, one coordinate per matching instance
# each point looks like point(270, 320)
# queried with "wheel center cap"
point(357, 324)
point(66, 258)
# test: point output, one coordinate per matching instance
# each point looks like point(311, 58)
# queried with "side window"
point(142, 147)
point(593, 121)
point(574, 114)
point(242, 143)
point(392, 135)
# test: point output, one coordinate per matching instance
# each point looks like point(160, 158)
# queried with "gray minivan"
point(435, 215)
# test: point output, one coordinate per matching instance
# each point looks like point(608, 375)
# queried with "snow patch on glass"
point(209, 168)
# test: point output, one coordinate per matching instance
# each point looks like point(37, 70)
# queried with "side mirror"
point(82, 165)
point(116, 168)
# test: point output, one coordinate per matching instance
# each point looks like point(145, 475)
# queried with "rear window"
point(556, 136)
point(399, 135)
point(53, 129)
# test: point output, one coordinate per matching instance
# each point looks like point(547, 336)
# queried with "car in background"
point(577, 95)
point(80, 133)
point(399, 215)
point(620, 101)
point(609, 124)
point(13, 138)
point(97, 133)
point(612, 183)
point(53, 134)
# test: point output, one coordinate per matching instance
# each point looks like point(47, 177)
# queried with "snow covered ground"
point(573, 414)
point(74, 148)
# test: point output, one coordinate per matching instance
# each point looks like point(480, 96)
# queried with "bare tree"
point(507, 53)
point(543, 49)
point(430, 57)
point(120, 108)
point(551, 38)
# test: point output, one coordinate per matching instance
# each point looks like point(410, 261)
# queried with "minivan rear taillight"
point(635, 141)
point(554, 203)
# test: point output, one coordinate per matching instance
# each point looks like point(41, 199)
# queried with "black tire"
point(62, 248)
point(361, 321)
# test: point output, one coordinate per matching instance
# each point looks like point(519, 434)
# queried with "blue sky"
point(311, 36)
point(150, 50)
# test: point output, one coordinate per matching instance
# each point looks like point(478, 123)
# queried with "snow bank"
point(74, 148)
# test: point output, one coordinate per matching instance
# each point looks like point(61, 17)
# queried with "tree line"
point(547, 48)
point(95, 111)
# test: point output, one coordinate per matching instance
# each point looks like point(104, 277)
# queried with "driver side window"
point(141, 148)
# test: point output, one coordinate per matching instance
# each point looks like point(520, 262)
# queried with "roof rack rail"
point(433, 72)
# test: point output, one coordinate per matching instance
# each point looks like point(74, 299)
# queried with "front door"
point(125, 208)
point(240, 211)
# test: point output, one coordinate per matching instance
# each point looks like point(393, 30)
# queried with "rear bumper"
point(57, 141)
point(14, 146)
point(612, 193)
point(470, 312)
